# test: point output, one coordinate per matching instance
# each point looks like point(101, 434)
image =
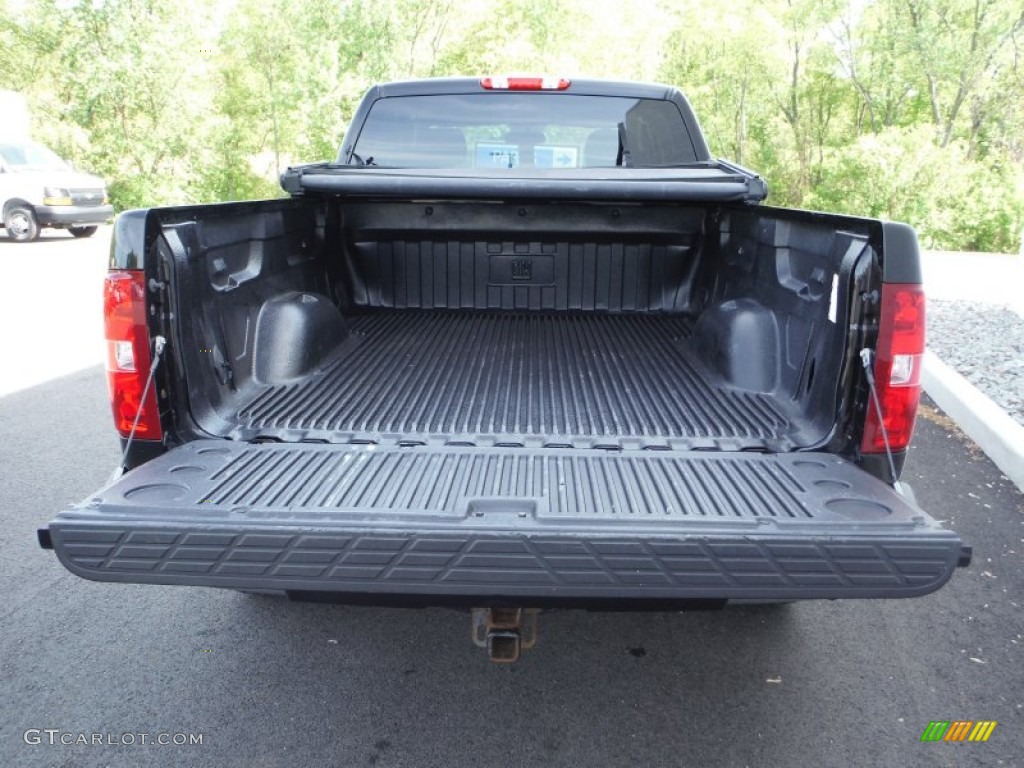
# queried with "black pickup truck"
point(525, 343)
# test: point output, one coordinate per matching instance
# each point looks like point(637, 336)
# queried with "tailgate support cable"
point(866, 358)
point(158, 348)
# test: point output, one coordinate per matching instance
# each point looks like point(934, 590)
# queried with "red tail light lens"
point(524, 83)
point(128, 360)
point(898, 361)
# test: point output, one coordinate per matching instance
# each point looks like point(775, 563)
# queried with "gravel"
point(983, 343)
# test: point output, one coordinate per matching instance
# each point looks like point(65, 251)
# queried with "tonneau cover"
point(714, 182)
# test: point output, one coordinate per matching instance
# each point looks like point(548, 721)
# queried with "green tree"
point(909, 109)
point(110, 89)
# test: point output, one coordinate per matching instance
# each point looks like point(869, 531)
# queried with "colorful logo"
point(958, 730)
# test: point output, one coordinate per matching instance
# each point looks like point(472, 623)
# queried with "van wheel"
point(20, 222)
point(82, 231)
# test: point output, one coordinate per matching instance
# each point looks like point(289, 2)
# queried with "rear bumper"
point(277, 517)
point(73, 215)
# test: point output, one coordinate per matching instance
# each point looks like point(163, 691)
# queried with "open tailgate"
point(440, 522)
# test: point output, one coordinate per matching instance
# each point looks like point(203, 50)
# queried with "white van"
point(38, 189)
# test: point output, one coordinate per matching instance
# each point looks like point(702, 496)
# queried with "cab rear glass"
point(502, 131)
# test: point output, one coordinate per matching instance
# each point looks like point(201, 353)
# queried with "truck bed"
point(648, 327)
point(508, 377)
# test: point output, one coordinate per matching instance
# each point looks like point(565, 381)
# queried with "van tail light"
point(898, 362)
point(128, 359)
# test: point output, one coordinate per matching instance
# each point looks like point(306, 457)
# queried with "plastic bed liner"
point(513, 523)
point(579, 380)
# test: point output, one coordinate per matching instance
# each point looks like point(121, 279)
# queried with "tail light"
point(898, 361)
point(524, 83)
point(128, 360)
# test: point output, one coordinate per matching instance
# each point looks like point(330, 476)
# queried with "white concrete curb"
point(992, 428)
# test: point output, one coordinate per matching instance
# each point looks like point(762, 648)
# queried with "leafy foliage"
point(905, 109)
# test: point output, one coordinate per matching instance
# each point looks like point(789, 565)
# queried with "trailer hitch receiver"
point(505, 632)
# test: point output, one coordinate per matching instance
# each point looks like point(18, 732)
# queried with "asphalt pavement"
point(265, 682)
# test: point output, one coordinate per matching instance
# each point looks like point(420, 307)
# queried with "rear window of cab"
point(501, 130)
